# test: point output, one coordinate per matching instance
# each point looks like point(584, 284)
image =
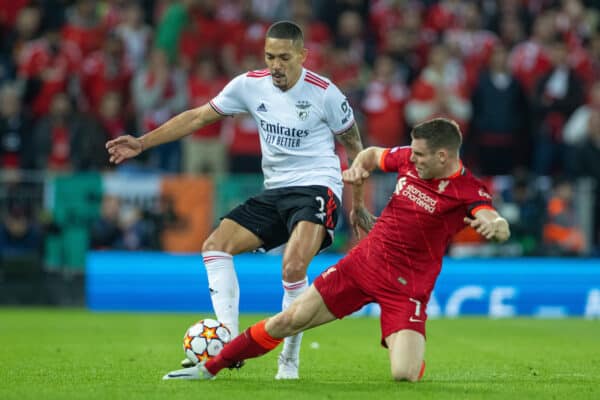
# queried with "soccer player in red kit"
point(397, 263)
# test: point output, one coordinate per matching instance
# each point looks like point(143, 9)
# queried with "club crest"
point(442, 186)
point(302, 109)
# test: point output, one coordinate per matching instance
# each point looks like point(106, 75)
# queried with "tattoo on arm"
point(351, 141)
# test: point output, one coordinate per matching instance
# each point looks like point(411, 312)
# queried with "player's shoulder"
point(316, 80)
point(399, 151)
point(471, 183)
point(258, 74)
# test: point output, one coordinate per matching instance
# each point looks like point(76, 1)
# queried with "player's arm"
point(365, 162)
point(351, 141)
point(183, 124)
point(489, 224)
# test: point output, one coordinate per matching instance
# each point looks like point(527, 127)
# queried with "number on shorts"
point(417, 306)
point(321, 202)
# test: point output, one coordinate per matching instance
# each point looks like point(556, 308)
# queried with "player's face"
point(284, 59)
point(427, 162)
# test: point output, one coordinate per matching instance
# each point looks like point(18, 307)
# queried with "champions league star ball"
point(204, 340)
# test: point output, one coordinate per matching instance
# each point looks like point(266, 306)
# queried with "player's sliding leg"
point(306, 312)
point(406, 349)
point(304, 243)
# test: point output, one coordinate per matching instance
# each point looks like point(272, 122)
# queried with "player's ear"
point(304, 54)
point(442, 155)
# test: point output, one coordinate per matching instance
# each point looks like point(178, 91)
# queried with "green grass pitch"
point(75, 354)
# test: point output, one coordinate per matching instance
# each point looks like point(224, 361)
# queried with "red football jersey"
point(411, 236)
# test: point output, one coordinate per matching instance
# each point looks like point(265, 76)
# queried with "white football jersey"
point(296, 126)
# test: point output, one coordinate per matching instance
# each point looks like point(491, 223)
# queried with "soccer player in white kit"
point(298, 114)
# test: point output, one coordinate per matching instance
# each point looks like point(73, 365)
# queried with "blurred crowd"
point(522, 78)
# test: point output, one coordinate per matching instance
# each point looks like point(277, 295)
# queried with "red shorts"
point(350, 284)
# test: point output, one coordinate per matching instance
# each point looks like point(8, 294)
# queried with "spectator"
point(383, 105)
point(530, 60)
point(105, 232)
point(110, 115)
point(204, 151)
point(136, 234)
point(134, 33)
point(557, 94)
point(587, 164)
point(20, 236)
point(317, 36)
point(47, 66)
point(242, 37)
point(499, 124)
point(15, 131)
point(204, 34)
point(12, 41)
point(561, 233)
point(440, 91)
point(168, 31)
point(577, 127)
point(66, 141)
point(525, 211)
point(243, 145)
point(473, 44)
point(84, 27)
point(106, 70)
point(159, 92)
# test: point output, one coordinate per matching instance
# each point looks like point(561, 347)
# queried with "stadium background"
point(521, 78)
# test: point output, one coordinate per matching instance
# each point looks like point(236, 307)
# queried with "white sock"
point(292, 290)
point(224, 288)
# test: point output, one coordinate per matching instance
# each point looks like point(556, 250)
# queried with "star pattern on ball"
point(209, 333)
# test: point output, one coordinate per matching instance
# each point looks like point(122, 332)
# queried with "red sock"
point(254, 342)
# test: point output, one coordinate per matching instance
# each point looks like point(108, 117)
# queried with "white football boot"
point(197, 372)
point(187, 363)
point(288, 368)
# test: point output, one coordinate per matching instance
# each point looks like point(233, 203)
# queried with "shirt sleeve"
point(478, 197)
point(394, 158)
point(338, 113)
point(230, 100)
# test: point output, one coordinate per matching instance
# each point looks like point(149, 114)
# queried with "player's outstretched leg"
point(254, 342)
point(197, 372)
point(289, 358)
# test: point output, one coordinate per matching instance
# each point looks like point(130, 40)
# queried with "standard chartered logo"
point(421, 199)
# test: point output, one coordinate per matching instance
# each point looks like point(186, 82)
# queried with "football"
point(204, 340)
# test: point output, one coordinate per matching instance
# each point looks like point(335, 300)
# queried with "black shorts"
point(273, 214)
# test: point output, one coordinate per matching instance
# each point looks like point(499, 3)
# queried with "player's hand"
point(355, 175)
point(123, 147)
point(361, 221)
point(486, 228)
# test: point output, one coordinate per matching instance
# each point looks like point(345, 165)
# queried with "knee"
point(294, 270)
point(214, 243)
point(407, 372)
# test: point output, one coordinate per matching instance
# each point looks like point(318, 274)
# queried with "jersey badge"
point(262, 108)
point(442, 186)
point(302, 108)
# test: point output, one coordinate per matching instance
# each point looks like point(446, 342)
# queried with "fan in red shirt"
point(398, 262)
